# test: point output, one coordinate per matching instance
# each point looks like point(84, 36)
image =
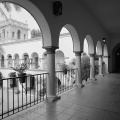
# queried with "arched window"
point(2, 61)
point(7, 34)
point(18, 34)
point(3, 32)
point(24, 36)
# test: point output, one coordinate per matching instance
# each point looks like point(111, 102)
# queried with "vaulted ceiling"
point(107, 12)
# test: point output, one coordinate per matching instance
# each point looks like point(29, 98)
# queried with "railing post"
point(51, 81)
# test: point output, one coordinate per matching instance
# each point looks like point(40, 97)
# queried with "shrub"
point(85, 67)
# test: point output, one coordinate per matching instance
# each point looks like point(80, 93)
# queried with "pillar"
point(92, 67)
point(6, 63)
point(100, 64)
point(13, 63)
point(30, 63)
point(105, 59)
point(51, 81)
point(78, 69)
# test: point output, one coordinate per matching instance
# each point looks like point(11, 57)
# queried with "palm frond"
point(7, 6)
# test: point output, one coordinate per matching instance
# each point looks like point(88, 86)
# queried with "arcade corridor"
point(99, 100)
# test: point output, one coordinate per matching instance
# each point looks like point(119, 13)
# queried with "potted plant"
point(20, 69)
point(64, 67)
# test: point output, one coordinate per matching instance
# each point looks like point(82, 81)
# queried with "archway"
point(2, 61)
point(116, 58)
point(25, 58)
point(99, 48)
point(69, 42)
point(90, 45)
point(85, 46)
point(59, 58)
point(9, 61)
point(39, 17)
point(44, 60)
point(105, 50)
point(16, 60)
point(35, 60)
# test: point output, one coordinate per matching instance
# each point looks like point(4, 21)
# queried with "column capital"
point(105, 56)
point(78, 53)
point(99, 55)
point(51, 49)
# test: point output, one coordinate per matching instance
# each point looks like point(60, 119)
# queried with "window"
point(18, 34)
point(3, 32)
point(24, 36)
point(7, 34)
point(13, 34)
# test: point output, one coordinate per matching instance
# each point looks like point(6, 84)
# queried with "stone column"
point(13, 62)
point(100, 64)
point(51, 79)
point(21, 61)
point(30, 63)
point(92, 67)
point(78, 69)
point(105, 59)
point(6, 63)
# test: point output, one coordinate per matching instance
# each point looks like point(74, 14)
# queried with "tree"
point(8, 6)
point(35, 33)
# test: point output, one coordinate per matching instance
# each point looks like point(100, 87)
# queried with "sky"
point(24, 16)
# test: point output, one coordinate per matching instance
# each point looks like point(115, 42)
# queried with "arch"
point(99, 48)
point(9, 57)
point(116, 58)
point(18, 34)
point(75, 37)
point(25, 58)
point(3, 33)
point(44, 61)
point(34, 54)
point(85, 46)
point(16, 60)
point(2, 61)
point(105, 50)
point(39, 17)
point(35, 60)
point(90, 44)
point(59, 58)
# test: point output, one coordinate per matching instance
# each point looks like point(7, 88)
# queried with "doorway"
point(117, 61)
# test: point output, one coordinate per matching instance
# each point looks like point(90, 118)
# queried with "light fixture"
point(104, 40)
point(57, 8)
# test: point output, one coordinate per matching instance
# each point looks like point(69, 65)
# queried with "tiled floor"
point(98, 100)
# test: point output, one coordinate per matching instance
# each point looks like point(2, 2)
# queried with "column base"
point(107, 73)
point(80, 85)
point(93, 79)
point(99, 75)
point(53, 99)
